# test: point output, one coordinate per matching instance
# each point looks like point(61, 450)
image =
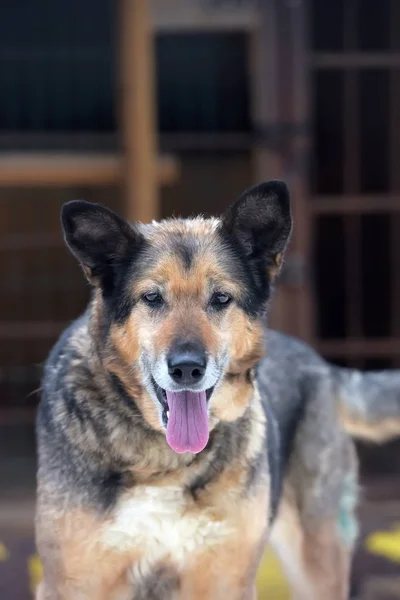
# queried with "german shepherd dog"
point(171, 447)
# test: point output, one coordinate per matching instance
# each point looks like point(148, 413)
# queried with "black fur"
point(260, 221)
point(256, 229)
point(186, 250)
point(107, 247)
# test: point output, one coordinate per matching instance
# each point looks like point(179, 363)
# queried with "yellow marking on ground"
point(4, 553)
point(385, 543)
point(271, 581)
point(35, 571)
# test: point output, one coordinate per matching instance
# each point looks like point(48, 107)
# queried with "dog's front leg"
point(83, 590)
point(77, 564)
point(227, 571)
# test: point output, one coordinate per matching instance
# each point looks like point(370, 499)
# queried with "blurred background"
point(161, 107)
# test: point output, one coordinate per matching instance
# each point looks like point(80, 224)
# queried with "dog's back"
point(293, 376)
point(317, 405)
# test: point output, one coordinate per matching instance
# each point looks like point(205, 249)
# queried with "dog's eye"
point(220, 299)
point(153, 298)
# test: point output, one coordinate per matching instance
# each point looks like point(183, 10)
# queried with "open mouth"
point(185, 416)
point(163, 400)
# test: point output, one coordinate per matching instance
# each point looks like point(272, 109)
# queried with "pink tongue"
point(187, 428)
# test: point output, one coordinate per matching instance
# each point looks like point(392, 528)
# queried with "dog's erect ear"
point(98, 238)
point(261, 222)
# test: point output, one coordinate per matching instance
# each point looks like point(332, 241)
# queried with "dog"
point(172, 446)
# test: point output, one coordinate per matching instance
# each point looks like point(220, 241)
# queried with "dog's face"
point(182, 304)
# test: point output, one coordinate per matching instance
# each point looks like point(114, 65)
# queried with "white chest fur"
point(160, 521)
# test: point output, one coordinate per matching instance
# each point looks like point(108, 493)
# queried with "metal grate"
point(203, 83)
point(355, 66)
point(60, 56)
point(42, 288)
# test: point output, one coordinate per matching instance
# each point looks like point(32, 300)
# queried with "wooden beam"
point(355, 204)
point(279, 72)
point(137, 111)
point(354, 60)
point(63, 169)
point(188, 15)
point(359, 347)
point(30, 330)
point(203, 140)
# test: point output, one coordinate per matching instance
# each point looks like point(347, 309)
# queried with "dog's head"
point(182, 305)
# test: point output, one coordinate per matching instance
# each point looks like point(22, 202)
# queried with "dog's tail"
point(369, 403)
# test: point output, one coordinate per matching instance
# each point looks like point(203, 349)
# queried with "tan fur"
point(170, 273)
point(156, 522)
point(238, 559)
point(246, 342)
point(125, 340)
point(186, 293)
point(86, 568)
point(230, 402)
point(316, 561)
point(274, 270)
point(380, 431)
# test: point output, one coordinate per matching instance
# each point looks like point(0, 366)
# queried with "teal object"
point(346, 520)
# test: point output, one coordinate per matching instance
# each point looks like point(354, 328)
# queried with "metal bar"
point(394, 173)
point(297, 169)
point(354, 60)
point(353, 280)
point(355, 204)
point(360, 347)
point(351, 168)
point(280, 113)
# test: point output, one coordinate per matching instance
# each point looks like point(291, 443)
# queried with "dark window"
point(328, 130)
point(374, 24)
point(376, 275)
point(377, 364)
point(57, 65)
point(327, 20)
point(202, 82)
point(330, 268)
point(374, 123)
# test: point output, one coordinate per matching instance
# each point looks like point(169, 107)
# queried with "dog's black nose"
point(187, 364)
